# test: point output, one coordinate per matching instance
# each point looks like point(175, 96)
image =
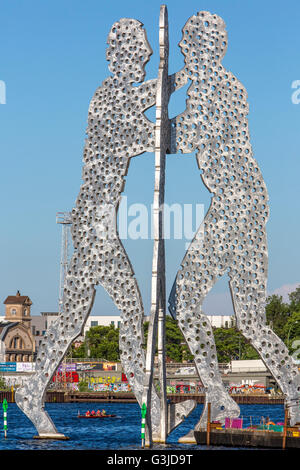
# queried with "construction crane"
point(65, 219)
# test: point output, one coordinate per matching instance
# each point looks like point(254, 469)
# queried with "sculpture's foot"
point(31, 403)
point(189, 438)
point(176, 415)
point(178, 412)
point(222, 406)
point(293, 400)
point(294, 411)
point(57, 436)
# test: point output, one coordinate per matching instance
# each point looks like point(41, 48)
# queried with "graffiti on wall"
point(101, 380)
point(110, 387)
point(68, 377)
point(86, 366)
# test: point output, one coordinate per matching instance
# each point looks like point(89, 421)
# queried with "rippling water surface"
point(122, 432)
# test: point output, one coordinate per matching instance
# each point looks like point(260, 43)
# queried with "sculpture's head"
point(204, 40)
point(128, 49)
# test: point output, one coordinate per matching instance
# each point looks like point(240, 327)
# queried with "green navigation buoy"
point(144, 412)
point(5, 406)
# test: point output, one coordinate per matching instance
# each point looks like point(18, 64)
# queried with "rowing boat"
point(96, 416)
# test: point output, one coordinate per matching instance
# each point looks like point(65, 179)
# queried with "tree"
point(102, 342)
point(277, 313)
point(231, 345)
point(283, 318)
point(79, 352)
point(291, 330)
point(176, 348)
point(295, 300)
point(3, 385)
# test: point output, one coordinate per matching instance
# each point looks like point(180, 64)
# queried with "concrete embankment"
point(109, 397)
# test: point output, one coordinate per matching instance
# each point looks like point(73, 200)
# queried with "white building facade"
point(222, 321)
point(102, 320)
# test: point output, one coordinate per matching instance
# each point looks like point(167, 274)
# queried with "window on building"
point(119, 324)
point(94, 323)
point(112, 323)
point(16, 343)
point(13, 311)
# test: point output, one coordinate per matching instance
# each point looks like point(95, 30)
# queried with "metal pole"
point(157, 314)
point(5, 406)
point(65, 219)
point(285, 427)
point(144, 412)
point(208, 424)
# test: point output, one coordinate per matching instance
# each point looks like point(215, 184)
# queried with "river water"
point(122, 432)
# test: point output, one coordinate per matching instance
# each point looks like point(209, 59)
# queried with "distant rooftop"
point(49, 313)
point(18, 299)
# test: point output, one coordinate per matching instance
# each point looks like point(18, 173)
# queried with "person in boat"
point(103, 412)
point(88, 413)
point(93, 413)
point(98, 413)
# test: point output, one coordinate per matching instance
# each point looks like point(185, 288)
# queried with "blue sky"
point(53, 58)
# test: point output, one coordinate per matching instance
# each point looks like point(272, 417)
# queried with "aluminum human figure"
point(117, 131)
point(232, 239)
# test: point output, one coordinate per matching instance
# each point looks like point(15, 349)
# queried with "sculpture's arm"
point(147, 93)
point(177, 80)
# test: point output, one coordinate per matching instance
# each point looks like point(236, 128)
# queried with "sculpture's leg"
point(120, 283)
point(251, 322)
point(30, 398)
point(192, 286)
point(116, 276)
point(199, 336)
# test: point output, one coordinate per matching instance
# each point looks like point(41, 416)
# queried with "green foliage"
point(176, 348)
point(3, 385)
point(277, 313)
point(231, 345)
point(79, 352)
point(83, 386)
point(291, 330)
point(101, 342)
point(294, 349)
point(284, 318)
point(295, 300)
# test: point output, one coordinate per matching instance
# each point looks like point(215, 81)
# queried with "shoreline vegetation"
point(284, 318)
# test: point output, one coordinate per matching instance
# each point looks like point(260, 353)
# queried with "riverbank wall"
point(109, 397)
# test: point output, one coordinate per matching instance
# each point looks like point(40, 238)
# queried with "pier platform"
point(244, 438)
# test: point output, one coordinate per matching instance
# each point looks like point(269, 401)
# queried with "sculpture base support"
point(188, 438)
point(155, 440)
point(158, 440)
point(57, 437)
